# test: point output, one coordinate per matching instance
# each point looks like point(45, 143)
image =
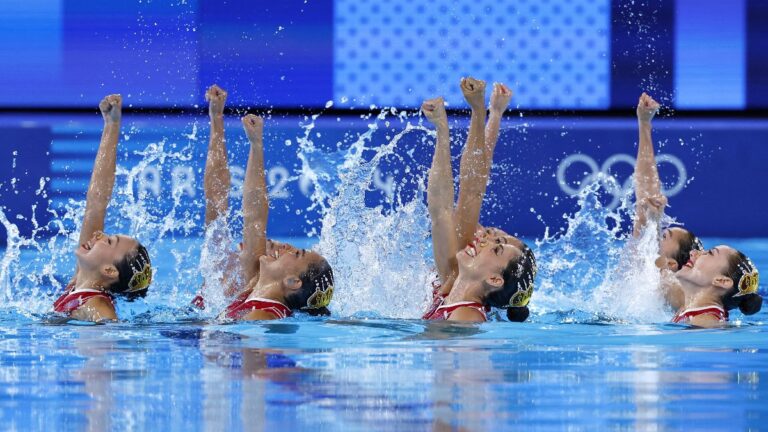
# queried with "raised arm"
point(255, 200)
point(440, 193)
point(500, 98)
point(479, 158)
point(103, 177)
point(216, 180)
point(471, 165)
point(647, 184)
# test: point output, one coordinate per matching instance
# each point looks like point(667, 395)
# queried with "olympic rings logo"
point(607, 178)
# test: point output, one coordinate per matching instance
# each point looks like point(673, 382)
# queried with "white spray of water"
point(379, 256)
point(19, 284)
point(596, 268)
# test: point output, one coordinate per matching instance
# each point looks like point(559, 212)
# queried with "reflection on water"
point(380, 375)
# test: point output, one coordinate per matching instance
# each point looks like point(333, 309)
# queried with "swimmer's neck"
point(268, 290)
point(464, 290)
point(703, 298)
point(86, 281)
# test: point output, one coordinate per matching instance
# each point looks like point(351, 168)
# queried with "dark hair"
point(745, 279)
point(688, 242)
point(316, 290)
point(516, 292)
point(134, 274)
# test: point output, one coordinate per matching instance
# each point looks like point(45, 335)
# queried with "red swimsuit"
point(438, 299)
point(686, 315)
point(242, 306)
point(444, 312)
point(439, 311)
point(71, 299)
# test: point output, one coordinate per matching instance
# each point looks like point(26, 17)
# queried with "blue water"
point(561, 370)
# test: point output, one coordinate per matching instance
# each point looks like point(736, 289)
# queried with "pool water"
point(564, 369)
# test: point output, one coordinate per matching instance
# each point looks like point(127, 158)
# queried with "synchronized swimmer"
point(478, 268)
point(701, 285)
point(107, 265)
point(270, 280)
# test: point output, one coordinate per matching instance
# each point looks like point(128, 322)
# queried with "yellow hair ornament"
point(748, 283)
point(320, 298)
point(522, 297)
point(141, 279)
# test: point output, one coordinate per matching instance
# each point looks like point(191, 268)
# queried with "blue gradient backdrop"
point(583, 54)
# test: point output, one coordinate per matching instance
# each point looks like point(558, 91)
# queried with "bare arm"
point(255, 200)
point(473, 185)
point(216, 180)
point(471, 167)
point(673, 292)
point(646, 176)
point(440, 192)
point(103, 177)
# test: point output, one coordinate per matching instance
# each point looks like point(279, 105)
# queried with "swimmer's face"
point(283, 261)
point(498, 236)
point(103, 250)
point(273, 246)
point(670, 244)
point(486, 258)
point(706, 268)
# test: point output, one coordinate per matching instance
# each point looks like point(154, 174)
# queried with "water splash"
point(379, 253)
point(594, 266)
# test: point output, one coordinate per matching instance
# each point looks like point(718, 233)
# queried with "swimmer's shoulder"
point(467, 314)
point(259, 315)
point(706, 320)
point(98, 308)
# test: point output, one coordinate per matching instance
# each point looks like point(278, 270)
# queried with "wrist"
point(477, 106)
point(255, 137)
point(496, 111)
point(441, 125)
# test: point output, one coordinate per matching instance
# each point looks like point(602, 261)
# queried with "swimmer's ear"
point(292, 282)
point(109, 272)
point(495, 280)
point(672, 265)
point(723, 282)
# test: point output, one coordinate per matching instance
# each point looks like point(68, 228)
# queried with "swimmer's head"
point(743, 294)
point(728, 272)
point(306, 277)
point(505, 265)
point(676, 246)
point(118, 262)
point(516, 292)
